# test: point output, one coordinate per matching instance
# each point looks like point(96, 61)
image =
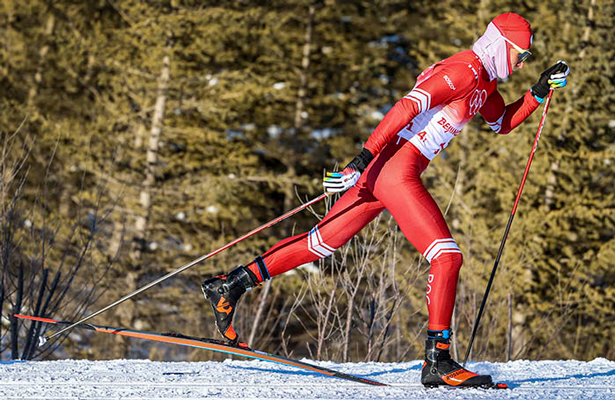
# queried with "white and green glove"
point(335, 182)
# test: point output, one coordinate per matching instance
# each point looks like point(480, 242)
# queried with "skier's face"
point(514, 57)
point(517, 56)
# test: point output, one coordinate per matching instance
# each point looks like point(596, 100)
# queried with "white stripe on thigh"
point(317, 246)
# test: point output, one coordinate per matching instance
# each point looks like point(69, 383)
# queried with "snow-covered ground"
point(234, 379)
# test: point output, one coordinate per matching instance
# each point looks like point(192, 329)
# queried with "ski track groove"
point(114, 385)
point(251, 380)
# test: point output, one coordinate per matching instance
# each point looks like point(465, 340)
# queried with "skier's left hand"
point(335, 182)
point(552, 78)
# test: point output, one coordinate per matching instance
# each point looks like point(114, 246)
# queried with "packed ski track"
point(237, 379)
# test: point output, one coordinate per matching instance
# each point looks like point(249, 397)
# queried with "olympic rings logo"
point(477, 101)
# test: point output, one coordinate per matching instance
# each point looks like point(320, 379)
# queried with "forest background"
point(138, 135)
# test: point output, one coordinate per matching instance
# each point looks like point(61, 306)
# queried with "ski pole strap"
point(263, 268)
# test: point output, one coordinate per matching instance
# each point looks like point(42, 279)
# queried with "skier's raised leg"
point(355, 209)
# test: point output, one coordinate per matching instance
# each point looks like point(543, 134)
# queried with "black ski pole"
point(510, 220)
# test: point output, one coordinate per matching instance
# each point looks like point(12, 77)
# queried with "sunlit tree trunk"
point(129, 311)
point(148, 184)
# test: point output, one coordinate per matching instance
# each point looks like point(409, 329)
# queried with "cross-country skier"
point(387, 174)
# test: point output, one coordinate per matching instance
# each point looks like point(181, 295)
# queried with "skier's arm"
point(443, 85)
point(504, 118)
point(435, 87)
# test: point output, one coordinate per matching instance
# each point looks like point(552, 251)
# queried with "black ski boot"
point(223, 292)
point(439, 368)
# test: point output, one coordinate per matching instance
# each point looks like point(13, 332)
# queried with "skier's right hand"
point(335, 182)
point(552, 78)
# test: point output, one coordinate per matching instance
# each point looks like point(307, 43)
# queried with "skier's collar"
point(484, 73)
point(482, 70)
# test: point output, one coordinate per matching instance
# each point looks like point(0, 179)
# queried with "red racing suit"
point(420, 125)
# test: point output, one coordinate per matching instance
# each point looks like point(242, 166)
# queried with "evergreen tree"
point(183, 125)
